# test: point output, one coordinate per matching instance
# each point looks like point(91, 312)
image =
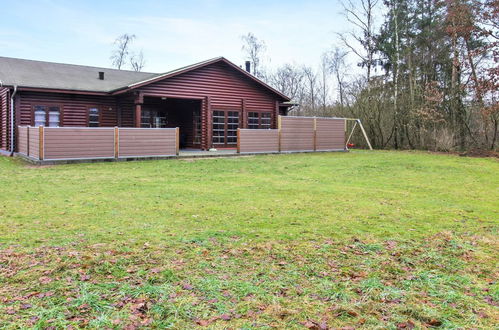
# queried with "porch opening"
point(161, 112)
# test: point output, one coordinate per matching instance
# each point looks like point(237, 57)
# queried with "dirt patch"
point(480, 153)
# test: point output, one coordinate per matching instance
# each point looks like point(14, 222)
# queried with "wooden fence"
point(295, 134)
point(58, 143)
point(257, 140)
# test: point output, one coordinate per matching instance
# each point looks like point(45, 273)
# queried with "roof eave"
point(60, 90)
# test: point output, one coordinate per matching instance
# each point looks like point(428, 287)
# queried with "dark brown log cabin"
point(208, 101)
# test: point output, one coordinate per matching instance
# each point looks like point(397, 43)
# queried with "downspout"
point(12, 121)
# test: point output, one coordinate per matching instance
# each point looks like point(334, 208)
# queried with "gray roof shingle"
point(38, 74)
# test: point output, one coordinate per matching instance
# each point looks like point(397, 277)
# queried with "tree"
point(361, 16)
point(254, 49)
point(137, 61)
point(310, 80)
point(337, 67)
point(120, 55)
point(324, 86)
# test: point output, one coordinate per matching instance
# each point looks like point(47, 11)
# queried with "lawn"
point(359, 239)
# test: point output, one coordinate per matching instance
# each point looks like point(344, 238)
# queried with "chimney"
point(248, 66)
point(101, 75)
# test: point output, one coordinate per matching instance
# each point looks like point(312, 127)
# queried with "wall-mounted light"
point(163, 98)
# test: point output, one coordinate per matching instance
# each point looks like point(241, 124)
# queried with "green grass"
point(360, 239)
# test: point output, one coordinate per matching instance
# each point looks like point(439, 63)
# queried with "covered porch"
point(172, 112)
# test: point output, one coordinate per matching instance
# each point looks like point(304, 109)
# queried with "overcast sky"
point(170, 33)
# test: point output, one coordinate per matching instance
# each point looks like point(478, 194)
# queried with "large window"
point(224, 127)
point(259, 120)
point(218, 127)
point(47, 115)
point(93, 117)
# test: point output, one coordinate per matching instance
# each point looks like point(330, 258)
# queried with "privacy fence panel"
point(258, 140)
point(297, 133)
point(142, 142)
point(22, 138)
point(34, 142)
point(81, 142)
point(330, 134)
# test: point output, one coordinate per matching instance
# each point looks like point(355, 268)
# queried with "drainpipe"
point(12, 121)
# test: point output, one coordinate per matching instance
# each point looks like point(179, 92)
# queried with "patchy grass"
point(363, 239)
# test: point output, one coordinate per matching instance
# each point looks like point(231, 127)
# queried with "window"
point(93, 117)
point(47, 115)
point(253, 120)
point(225, 125)
point(265, 118)
point(259, 120)
point(218, 127)
point(232, 126)
point(153, 119)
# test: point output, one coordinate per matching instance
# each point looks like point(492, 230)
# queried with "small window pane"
point(265, 120)
point(93, 117)
point(54, 115)
point(253, 120)
point(40, 115)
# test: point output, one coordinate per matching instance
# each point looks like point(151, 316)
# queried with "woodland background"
point(424, 74)
point(420, 74)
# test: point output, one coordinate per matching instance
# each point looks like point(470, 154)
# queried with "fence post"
point(238, 140)
point(116, 142)
point(279, 124)
point(177, 138)
point(315, 133)
point(41, 142)
point(27, 141)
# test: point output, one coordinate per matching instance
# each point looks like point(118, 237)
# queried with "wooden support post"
point(139, 100)
point(238, 140)
point(138, 115)
point(315, 134)
point(116, 142)
point(177, 140)
point(365, 135)
point(279, 124)
point(27, 141)
point(209, 130)
point(41, 142)
point(350, 136)
point(244, 114)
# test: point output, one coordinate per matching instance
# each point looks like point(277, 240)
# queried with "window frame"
point(88, 114)
point(259, 119)
point(225, 130)
point(47, 118)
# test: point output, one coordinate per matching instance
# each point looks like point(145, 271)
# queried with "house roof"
point(38, 74)
point(70, 77)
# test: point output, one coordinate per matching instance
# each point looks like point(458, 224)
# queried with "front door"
point(225, 125)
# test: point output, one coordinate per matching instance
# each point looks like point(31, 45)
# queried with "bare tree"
point(119, 56)
point(338, 69)
point(311, 87)
point(362, 17)
point(288, 80)
point(254, 49)
point(324, 86)
point(137, 61)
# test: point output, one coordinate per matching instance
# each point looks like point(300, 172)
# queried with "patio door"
point(224, 130)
